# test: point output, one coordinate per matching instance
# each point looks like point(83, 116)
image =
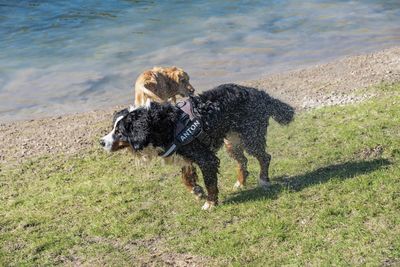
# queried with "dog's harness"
point(188, 128)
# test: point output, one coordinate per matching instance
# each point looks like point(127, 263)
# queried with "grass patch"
point(335, 200)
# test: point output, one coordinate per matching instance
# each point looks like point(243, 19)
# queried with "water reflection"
point(73, 55)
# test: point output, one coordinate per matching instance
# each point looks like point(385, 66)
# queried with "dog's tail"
point(281, 112)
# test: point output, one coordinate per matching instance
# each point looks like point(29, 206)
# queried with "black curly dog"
point(238, 113)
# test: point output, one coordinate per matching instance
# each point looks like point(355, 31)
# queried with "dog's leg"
point(208, 163)
point(139, 101)
point(211, 182)
point(255, 146)
point(189, 178)
point(264, 161)
point(235, 150)
point(209, 169)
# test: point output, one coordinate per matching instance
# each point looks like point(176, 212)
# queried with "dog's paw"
point(198, 192)
point(238, 185)
point(209, 205)
point(264, 184)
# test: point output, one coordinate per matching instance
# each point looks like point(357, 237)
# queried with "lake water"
point(69, 56)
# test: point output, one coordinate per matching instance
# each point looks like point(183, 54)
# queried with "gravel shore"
point(326, 84)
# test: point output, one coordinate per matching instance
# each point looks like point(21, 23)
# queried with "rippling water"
point(70, 56)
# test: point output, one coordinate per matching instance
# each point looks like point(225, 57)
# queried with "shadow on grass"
point(296, 183)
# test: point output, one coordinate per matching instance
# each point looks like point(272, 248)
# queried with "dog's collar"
point(187, 129)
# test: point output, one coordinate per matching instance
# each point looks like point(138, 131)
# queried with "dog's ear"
point(135, 127)
point(135, 144)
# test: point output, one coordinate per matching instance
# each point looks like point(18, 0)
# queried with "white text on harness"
point(190, 131)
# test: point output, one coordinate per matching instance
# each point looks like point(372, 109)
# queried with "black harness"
point(188, 128)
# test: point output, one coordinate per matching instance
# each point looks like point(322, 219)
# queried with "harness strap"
point(187, 107)
point(187, 129)
point(170, 151)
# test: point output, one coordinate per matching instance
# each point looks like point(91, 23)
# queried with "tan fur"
point(235, 149)
point(162, 84)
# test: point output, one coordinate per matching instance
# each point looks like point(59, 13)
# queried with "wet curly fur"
point(230, 111)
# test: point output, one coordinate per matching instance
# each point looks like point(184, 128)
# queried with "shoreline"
point(312, 87)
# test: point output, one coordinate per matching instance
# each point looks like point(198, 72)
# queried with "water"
point(69, 56)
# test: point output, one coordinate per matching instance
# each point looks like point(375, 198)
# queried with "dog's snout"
point(189, 91)
point(102, 143)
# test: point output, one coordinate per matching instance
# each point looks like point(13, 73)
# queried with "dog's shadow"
point(297, 183)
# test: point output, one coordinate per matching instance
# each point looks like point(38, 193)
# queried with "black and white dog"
point(236, 113)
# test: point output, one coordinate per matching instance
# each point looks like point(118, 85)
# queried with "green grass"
point(335, 200)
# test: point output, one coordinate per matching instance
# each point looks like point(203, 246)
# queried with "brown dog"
point(161, 84)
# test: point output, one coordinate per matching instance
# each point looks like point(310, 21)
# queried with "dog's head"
point(114, 140)
point(181, 78)
point(130, 128)
point(137, 127)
